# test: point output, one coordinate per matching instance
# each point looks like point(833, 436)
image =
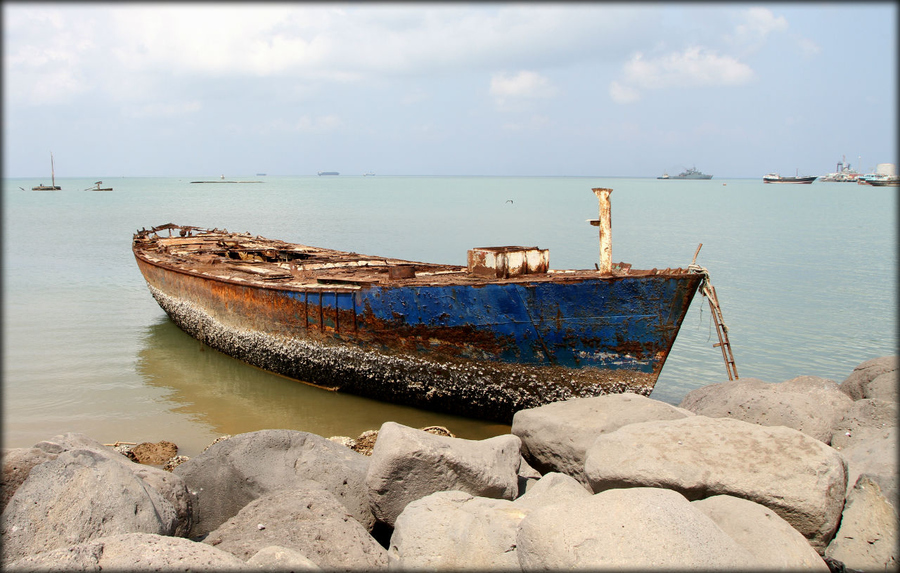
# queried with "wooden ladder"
point(710, 292)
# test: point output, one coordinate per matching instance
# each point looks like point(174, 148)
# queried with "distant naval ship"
point(691, 173)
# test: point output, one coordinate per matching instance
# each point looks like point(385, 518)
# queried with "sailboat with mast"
point(53, 186)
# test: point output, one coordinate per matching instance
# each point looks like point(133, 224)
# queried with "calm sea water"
point(806, 276)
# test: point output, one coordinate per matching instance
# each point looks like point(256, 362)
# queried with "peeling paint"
point(432, 336)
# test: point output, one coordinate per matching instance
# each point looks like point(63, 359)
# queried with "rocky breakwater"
point(742, 475)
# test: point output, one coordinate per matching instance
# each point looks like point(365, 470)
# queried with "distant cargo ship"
point(777, 178)
point(328, 173)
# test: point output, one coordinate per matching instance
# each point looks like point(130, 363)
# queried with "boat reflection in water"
point(221, 395)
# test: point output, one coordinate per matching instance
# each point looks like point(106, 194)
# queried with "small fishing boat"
point(53, 186)
point(503, 333)
point(776, 178)
point(663, 176)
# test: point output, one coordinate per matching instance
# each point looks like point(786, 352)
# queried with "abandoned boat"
point(53, 186)
point(483, 340)
point(97, 187)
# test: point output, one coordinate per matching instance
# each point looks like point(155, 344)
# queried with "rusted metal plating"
point(510, 334)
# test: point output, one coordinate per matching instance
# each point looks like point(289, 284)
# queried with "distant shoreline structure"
point(328, 173)
point(227, 181)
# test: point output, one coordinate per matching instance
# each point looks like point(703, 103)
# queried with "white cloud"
point(517, 92)
point(808, 48)
point(525, 84)
point(49, 66)
point(414, 96)
point(534, 123)
point(102, 46)
point(623, 94)
point(318, 124)
point(755, 27)
point(226, 38)
point(759, 23)
point(694, 67)
point(163, 110)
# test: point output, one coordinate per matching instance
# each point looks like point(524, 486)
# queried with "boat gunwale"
point(335, 283)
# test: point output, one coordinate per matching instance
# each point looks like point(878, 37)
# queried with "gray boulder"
point(795, 475)
point(528, 476)
point(809, 404)
point(552, 488)
point(174, 490)
point(307, 519)
point(80, 496)
point(17, 464)
point(856, 384)
point(555, 437)
point(132, 552)
point(867, 418)
point(635, 528)
point(75, 441)
point(775, 545)
point(867, 539)
point(867, 437)
point(883, 387)
point(233, 472)
point(408, 464)
point(454, 530)
point(171, 487)
point(876, 457)
point(276, 558)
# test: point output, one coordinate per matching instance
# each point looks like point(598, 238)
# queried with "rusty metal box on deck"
point(505, 262)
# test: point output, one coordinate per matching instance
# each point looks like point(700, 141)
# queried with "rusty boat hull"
point(484, 340)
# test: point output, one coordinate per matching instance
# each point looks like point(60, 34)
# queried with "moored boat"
point(884, 181)
point(885, 176)
point(503, 333)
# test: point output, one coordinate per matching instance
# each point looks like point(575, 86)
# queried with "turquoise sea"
point(806, 276)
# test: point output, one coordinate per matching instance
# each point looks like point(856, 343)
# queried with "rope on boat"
point(709, 292)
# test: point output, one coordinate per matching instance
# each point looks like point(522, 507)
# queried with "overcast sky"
point(170, 89)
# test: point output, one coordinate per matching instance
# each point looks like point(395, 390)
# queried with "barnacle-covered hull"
point(482, 341)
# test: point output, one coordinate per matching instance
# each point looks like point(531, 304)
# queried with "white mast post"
point(605, 225)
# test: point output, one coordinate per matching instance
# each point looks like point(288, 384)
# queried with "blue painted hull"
point(609, 324)
point(477, 347)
